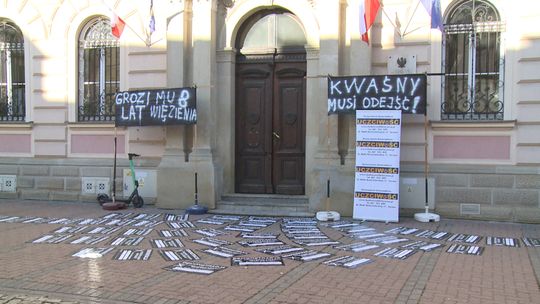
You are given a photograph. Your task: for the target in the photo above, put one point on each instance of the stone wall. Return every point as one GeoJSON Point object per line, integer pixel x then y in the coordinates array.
{"type": "Point", "coordinates": [507, 193]}
{"type": "Point", "coordinates": [61, 179]}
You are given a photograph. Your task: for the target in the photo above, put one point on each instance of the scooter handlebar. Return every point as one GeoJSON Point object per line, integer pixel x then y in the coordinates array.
{"type": "Point", "coordinates": [132, 155]}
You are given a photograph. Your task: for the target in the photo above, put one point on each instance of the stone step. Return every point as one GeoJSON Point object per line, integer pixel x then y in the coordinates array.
{"type": "Point", "coordinates": [263, 205]}
{"type": "Point", "coordinates": [265, 199]}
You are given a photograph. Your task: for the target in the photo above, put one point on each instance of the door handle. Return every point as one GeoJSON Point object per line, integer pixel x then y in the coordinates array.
{"type": "Point", "coordinates": [275, 135]}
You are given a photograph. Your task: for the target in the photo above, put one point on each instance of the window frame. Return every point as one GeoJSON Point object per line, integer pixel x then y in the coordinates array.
{"type": "Point", "coordinates": [494, 108]}
{"type": "Point", "coordinates": [101, 40]}
{"type": "Point", "coordinates": [6, 78]}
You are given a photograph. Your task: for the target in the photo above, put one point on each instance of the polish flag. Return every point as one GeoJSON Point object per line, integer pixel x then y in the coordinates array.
{"type": "Point", "coordinates": [117, 25]}
{"type": "Point", "coordinates": [368, 12]}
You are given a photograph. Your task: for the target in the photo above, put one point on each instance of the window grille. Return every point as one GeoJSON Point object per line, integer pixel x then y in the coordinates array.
{"type": "Point", "coordinates": [473, 63]}
{"type": "Point", "coordinates": [12, 82]}
{"type": "Point", "coordinates": [99, 65]}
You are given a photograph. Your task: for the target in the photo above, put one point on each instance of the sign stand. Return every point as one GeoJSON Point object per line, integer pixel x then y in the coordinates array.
{"type": "Point", "coordinates": [114, 169]}
{"type": "Point", "coordinates": [196, 208]}
{"type": "Point", "coordinates": [426, 216]}
{"type": "Point", "coordinates": [328, 215]}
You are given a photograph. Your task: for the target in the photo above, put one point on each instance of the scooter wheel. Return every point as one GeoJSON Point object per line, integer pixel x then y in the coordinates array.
{"type": "Point", "coordinates": [102, 198]}
{"type": "Point", "coordinates": [114, 206]}
{"type": "Point", "coordinates": [138, 201]}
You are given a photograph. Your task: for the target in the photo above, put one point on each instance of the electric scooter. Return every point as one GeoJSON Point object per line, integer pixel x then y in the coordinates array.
{"type": "Point", "coordinates": [114, 204]}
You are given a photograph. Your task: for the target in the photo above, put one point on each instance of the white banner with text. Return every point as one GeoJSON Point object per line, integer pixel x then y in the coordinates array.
{"type": "Point", "coordinates": [376, 185]}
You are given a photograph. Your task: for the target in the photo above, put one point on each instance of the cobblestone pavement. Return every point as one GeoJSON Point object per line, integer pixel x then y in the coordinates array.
{"type": "Point", "coordinates": [48, 273]}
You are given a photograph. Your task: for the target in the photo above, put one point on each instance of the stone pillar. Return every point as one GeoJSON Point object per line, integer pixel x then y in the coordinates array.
{"type": "Point", "coordinates": [325, 128]}
{"type": "Point", "coordinates": [204, 77]}
{"type": "Point", "coordinates": [174, 187]}
{"type": "Point", "coordinates": [225, 132]}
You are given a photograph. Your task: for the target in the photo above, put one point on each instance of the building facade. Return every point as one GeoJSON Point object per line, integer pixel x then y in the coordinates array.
{"type": "Point", "coordinates": [263, 133]}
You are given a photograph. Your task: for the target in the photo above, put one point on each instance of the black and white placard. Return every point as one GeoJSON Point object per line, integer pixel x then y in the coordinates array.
{"type": "Point", "coordinates": [138, 232]}
{"type": "Point", "coordinates": [404, 93]}
{"type": "Point", "coordinates": [9, 219]}
{"type": "Point", "coordinates": [181, 224]}
{"type": "Point", "coordinates": [211, 242]}
{"type": "Point", "coordinates": [147, 216]}
{"type": "Point", "coordinates": [170, 217]}
{"type": "Point", "coordinates": [167, 233]}
{"type": "Point", "coordinates": [387, 240]}
{"type": "Point", "coordinates": [465, 249]}
{"type": "Point", "coordinates": [127, 241]}
{"type": "Point", "coordinates": [502, 241]}
{"type": "Point", "coordinates": [357, 247]}
{"type": "Point", "coordinates": [92, 253]}
{"type": "Point", "coordinates": [226, 218]}
{"type": "Point", "coordinates": [341, 224]}
{"type": "Point", "coordinates": [166, 243]}
{"type": "Point", "coordinates": [210, 232]}
{"type": "Point", "coordinates": [211, 221]}
{"type": "Point", "coordinates": [376, 186]}
{"type": "Point", "coordinates": [436, 235]}
{"type": "Point", "coordinates": [70, 229]}
{"type": "Point", "coordinates": [89, 239]}
{"type": "Point", "coordinates": [347, 262]}
{"type": "Point", "coordinates": [250, 235]}
{"type": "Point", "coordinates": [103, 230]}
{"type": "Point", "coordinates": [193, 267]}
{"type": "Point", "coordinates": [223, 252]}
{"type": "Point", "coordinates": [176, 106]}
{"type": "Point", "coordinates": [396, 253]}
{"type": "Point", "coordinates": [257, 261]}
{"type": "Point", "coordinates": [316, 242]}
{"type": "Point", "coordinates": [364, 235]}
{"type": "Point", "coordinates": [35, 220]}
{"type": "Point", "coordinates": [402, 230]}
{"type": "Point", "coordinates": [306, 255]}
{"type": "Point", "coordinates": [61, 221]}
{"type": "Point", "coordinates": [146, 223]}
{"type": "Point", "coordinates": [263, 219]}
{"type": "Point", "coordinates": [240, 228]}
{"type": "Point", "coordinates": [56, 238]}
{"type": "Point", "coordinates": [279, 250]}
{"type": "Point", "coordinates": [260, 242]}
{"type": "Point", "coordinates": [422, 245]}
{"type": "Point", "coordinates": [465, 238]}
{"type": "Point", "coordinates": [255, 224]}
{"type": "Point", "coordinates": [531, 242]}
{"type": "Point", "coordinates": [179, 255]}
{"type": "Point", "coordinates": [133, 255]}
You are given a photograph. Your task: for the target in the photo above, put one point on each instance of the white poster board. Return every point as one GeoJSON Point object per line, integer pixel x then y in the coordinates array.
{"type": "Point", "coordinates": [376, 186]}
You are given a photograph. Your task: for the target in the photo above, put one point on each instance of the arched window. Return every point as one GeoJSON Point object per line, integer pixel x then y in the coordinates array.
{"type": "Point", "coordinates": [12, 83]}
{"type": "Point", "coordinates": [271, 29]}
{"type": "Point", "coordinates": [99, 65]}
{"type": "Point", "coordinates": [473, 63]}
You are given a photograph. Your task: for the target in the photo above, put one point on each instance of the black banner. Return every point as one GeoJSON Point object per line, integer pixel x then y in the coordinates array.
{"type": "Point", "coordinates": [156, 107]}
{"type": "Point", "coordinates": [387, 92]}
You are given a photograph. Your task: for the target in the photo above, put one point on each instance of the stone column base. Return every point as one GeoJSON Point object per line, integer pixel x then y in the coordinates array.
{"type": "Point", "coordinates": [176, 186]}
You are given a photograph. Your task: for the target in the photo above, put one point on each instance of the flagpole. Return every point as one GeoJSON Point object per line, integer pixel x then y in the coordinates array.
{"type": "Point", "coordinates": [127, 25]}
{"type": "Point", "coordinates": [410, 19]}
{"type": "Point", "coordinates": [391, 22]}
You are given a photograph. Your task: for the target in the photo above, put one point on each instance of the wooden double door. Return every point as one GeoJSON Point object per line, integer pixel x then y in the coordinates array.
{"type": "Point", "coordinates": [270, 126]}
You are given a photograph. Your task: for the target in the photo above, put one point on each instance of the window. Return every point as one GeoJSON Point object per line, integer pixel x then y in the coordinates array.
{"type": "Point", "coordinates": [12, 84]}
{"type": "Point", "coordinates": [473, 63]}
{"type": "Point", "coordinates": [98, 72]}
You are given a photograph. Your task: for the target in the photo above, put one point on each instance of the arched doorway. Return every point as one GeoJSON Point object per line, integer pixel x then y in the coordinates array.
{"type": "Point", "coordinates": [270, 105]}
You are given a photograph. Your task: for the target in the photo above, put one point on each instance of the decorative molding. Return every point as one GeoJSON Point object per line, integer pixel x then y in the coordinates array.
{"type": "Point", "coordinates": [504, 124]}
{"type": "Point", "coordinates": [228, 3]}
